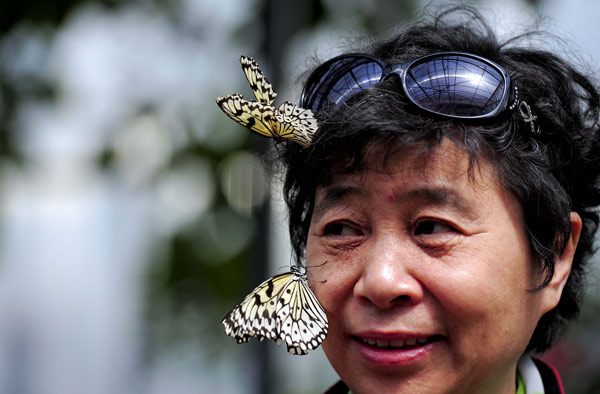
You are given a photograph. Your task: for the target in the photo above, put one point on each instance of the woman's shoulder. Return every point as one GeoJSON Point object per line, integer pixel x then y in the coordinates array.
{"type": "Point", "coordinates": [338, 388]}
{"type": "Point", "coordinates": [550, 377]}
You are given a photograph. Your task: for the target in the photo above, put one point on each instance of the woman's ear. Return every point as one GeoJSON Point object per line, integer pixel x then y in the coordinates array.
{"type": "Point", "coordinates": [562, 266]}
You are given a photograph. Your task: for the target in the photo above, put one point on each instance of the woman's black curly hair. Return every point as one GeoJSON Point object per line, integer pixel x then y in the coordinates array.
{"type": "Point", "coordinates": [550, 174]}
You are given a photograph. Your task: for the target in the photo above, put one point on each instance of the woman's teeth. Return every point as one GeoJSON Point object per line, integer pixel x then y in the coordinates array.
{"type": "Point", "coordinates": [396, 343]}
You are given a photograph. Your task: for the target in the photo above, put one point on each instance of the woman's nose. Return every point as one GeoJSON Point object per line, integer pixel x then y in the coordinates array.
{"type": "Point", "coordinates": [389, 275]}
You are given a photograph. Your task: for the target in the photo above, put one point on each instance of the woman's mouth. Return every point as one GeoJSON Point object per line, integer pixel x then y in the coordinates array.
{"type": "Point", "coordinates": [395, 351]}
{"type": "Point", "coordinates": [395, 343]}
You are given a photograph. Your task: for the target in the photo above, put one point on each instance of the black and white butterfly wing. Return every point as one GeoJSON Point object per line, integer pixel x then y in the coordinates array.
{"type": "Point", "coordinates": [256, 116]}
{"type": "Point", "coordinates": [256, 315]}
{"type": "Point", "coordinates": [296, 123]}
{"type": "Point", "coordinates": [262, 88]}
{"type": "Point", "coordinates": [286, 122]}
{"type": "Point", "coordinates": [282, 308]}
{"type": "Point", "coordinates": [302, 322]}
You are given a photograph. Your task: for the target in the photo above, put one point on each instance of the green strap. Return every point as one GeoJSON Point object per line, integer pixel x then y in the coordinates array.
{"type": "Point", "coordinates": [520, 384]}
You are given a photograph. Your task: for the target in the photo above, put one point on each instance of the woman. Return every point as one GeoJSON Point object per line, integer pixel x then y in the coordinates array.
{"type": "Point", "coordinates": [452, 200]}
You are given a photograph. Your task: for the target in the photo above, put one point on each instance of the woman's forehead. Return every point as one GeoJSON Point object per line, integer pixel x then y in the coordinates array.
{"type": "Point", "coordinates": [444, 160]}
{"type": "Point", "coordinates": [445, 167]}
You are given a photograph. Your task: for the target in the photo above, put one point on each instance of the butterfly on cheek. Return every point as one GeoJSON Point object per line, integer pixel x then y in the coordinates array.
{"type": "Point", "coordinates": [287, 122]}
{"type": "Point", "coordinates": [283, 309]}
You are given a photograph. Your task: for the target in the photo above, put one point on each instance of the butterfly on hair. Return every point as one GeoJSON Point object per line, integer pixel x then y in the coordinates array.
{"type": "Point", "coordinates": [288, 121]}
{"type": "Point", "coordinates": [283, 309]}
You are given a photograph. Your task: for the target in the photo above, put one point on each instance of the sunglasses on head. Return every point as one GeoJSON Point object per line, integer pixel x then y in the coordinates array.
{"type": "Point", "coordinates": [452, 84]}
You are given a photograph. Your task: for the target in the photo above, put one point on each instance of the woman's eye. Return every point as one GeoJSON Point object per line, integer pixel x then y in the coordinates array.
{"type": "Point", "coordinates": [428, 227]}
{"type": "Point", "coordinates": [341, 229]}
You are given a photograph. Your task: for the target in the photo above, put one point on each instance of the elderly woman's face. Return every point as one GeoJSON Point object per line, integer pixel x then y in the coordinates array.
{"type": "Point", "coordinates": [426, 277]}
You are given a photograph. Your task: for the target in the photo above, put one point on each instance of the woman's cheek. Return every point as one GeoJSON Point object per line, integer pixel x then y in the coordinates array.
{"type": "Point", "coordinates": [333, 283]}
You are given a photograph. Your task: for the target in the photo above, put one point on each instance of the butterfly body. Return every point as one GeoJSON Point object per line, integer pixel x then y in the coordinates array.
{"type": "Point", "coordinates": [283, 309]}
{"type": "Point", "coordinates": [285, 122]}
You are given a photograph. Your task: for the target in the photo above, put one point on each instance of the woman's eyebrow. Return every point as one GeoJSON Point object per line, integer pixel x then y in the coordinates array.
{"type": "Point", "coordinates": [440, 196]}
{"type": "Point", "coordinates": [333, 195]}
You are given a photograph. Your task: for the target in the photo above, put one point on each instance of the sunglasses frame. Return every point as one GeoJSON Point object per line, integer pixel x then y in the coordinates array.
{"type": "Point", "coordinates": [314, 81]}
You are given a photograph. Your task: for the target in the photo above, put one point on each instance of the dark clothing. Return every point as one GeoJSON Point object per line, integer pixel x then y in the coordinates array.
{"type": "Point", "coordinates": [550, 377]}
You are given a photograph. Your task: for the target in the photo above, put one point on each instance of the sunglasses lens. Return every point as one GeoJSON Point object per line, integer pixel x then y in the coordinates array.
{"type": "Point", "coordinates": [456, 85]}
{"type": "Point", "coordinates": [336, 81]}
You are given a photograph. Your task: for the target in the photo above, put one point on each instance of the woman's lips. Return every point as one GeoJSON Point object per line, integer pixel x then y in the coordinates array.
{"type": "Point", "coordinates": [395, 349]}
{"type": "Point", "coordinates": [396, 343]}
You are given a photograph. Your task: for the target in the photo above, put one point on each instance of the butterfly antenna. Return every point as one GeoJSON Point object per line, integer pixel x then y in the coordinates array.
{"type": "Point", "coordinates": [315, 266]}
{"type": "Point", "coordinates": [318, 265]}
{"type": "Point", "coordinates": [314, 280]}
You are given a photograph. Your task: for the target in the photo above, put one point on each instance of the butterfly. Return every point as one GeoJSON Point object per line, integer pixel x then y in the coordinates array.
{"type": "Point", "coordinates": [288, 121]}
{"type": "Point", "coordinates": [283, 309]}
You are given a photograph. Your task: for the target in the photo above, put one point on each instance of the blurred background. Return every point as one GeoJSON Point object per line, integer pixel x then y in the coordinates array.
{"type": "Point", "coordinates": [134, 214]}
